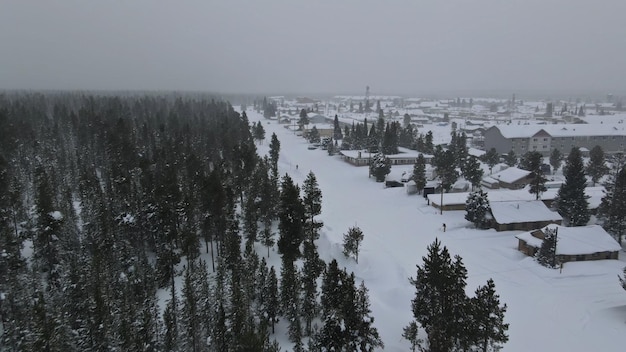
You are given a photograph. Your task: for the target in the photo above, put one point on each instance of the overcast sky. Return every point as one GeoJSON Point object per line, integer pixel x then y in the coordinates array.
{"type": "Point", "coordinates": [315, 46]}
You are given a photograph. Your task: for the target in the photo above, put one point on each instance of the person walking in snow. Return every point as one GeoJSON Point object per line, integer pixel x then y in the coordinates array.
{"type": "Point", "coordinates": [444, 227]}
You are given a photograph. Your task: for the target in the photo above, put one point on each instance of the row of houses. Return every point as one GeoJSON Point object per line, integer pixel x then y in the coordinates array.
{"type": "Point", "coordinates": [535, 217]}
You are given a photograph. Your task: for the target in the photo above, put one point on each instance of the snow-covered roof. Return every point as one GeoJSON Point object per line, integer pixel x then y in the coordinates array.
{"type": "Point", "coordinates": [522, 211]}
{"type": "Point", "coordinates": [503, 195]}
{"type": "Point", "coordinates": [576, 240]}
{"type": "Point", "coordinates": [476, 152]}
{"type": "Point", "coordinates": [403, 153]}
{"type": "Point", "coordinates": [562, 130]}
{"type": "Point", "coordinates": [510, 175]}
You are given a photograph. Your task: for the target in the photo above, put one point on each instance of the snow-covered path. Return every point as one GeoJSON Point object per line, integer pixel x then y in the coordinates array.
{"type": "Point", "coordinates": [581, 309]}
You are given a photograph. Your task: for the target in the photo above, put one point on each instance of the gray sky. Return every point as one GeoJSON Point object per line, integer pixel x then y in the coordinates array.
{"type": "Point", "coordinates": [321, 46]}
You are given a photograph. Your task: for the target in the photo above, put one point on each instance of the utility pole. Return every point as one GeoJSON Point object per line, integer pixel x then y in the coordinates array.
{"type": "Point", "coordinates": [556, 238]}
{"type": "Point", "coordinates": [441, 203]}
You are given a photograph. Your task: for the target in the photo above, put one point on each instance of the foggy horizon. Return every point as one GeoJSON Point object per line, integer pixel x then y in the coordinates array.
{"type": "Point", "coordinates": [552, 48]}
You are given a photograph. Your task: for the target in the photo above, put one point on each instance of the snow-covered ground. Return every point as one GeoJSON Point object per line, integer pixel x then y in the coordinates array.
{"type": "Point", "coordinates": [583, 308]}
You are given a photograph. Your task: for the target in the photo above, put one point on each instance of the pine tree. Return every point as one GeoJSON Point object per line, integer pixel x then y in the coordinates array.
{"type": "Point", "coordinates": [556, 158]}
{"type": "Point", "coordinates": [311, 270]}
{"type": "Point", "coordinates": [171, 337]}
{"type": "Point", "coordinates": [367, 337]}
{"type": "Point", "coordinates": [312, 202]}
{"type": "Point", "coordinates": [489, 328]}
{"type": "Point", "coordinates": [531, 161]}
{"type": "Point", "coordinates": [472, 171]}
{"type": "Point", "coordinates": [267, 239]}
{"type": "Point", "coordinates": [191, 337]}
{"type": "Point", "coordinates": [571, 199]}
{"type": "Point", "coordinates": [440, 301]}
{"type": "Point", "coordinates": [428, 143]}
{"type": "Point", "coordinates": [419, 173]}
{"type": "Point", "coordinates": [351, 242]}
{"type": "Point", "coordinates": [271, 307]}
{"type": "Point", "coordinates": [445, 166]}
{"type": "Point", "coordinates": [48, 228]}
{"type": "Point", "coordinates": [622, 279]}
{"type": "Point", "coordinates": [304, 119]}
{"type": "Point", "coordinates": [611, 210]}
{"type": "Point", "coordinates": [380, 167]}
{"type": "Point", "coordinates": [314, 135]}
{"type": "Point", "coordinates": [546, 255]}
{"type": "Point", "coordinates": [291, 220]}
{"type": "Point", "coordinates": [510, 159]}
{"type": "Point", "coordinates": [491, 158]}
{"type": "Point", "coordinates": [274, 153]}
{"type": "Point", "coordinates": [478, 210]}
{"type": "Point", "coordinates": [290, 284]}
{"type": "Point", "coordinates": [337, 135]}
{"type": "Point", "coordinates": [597, 167]}
{"type": "Point", "coordinates": [410, 333]}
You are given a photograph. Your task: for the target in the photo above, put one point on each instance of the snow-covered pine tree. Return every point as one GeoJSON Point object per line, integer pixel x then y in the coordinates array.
{"type": "Point", "coordinates": [510, 159]}
{"type": "Point", "coordinates": [596, 168]}
{"type": "Point", "coordinates": [488, 329]}
{"type": "Point", "coordinates": [290, 299]}
{"type": "Point", "coordinates": [337, 134]}
{"type": "Point", "coordinates": [367, 335]}
{"type": "Point", "coordinates": [271, 298]}
{"type": "Point", "coordinates": [410, 333]}
{"type": "Point", "coordinates": [622, 279]}
{"type": "Point", "coordinates": [439, 303]}
{"type": "Point", "coordinates": [556, 158]}
{"type": "Point", "coordinates": [274, 154]}
{"type": "Point", "coordinates": [380, 166]}
{"type": "Point", "coordinates": [352, 241]}
{"type": "Point", "coordinates": [311, 270]}
{"type": "Point", "coordinates": [478, 210]}
{"type": "Point", "coordinates": [546, 255]}
{"type": "Point", "coordinates": [171, 338]}
{"type": "Point", "coordinates": [472, 171]}
{"type": "Point", "coordinates": [491, 158]}
{"type": "Point", "coordinates": [312, 201]}
{"type": "Point", "coordinates": [571, 200]}
{"type": "Point", "coordinates": [531, 161]}
{"type": "Point", "coordinates": [419, 173]}
{"type": "Point", "coordinates": [445, 166]}
{"type": "Point", "coordinates": [291, 220]}
{"type": "Point", "coordinates": [611, 210]}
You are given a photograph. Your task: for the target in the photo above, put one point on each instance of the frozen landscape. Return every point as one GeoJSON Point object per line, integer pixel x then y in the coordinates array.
{"type": "Point", "coordinates": [582, 308]}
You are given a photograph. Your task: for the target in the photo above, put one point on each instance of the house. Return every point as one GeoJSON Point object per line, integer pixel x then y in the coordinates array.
{"type": "Point", "coordinates": [573, 243]}
{"type": "Point", "coordinates": [456, 201]}
{"type": "Point", "coordinates": [315, 118]}
{"type": "Point", "coordinates": [363, 157]}
{"type": "Point", "coordinates": [544, 138]}
{"type": "Point", "coordinates": [511, 178]}
{"type": "Point", "coordinates": [522, 215]}
{"type": "Point", "coordinates": [325, 130]}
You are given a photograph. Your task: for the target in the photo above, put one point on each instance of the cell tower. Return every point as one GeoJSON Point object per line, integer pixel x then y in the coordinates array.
{"type": "Point", "coordinates": [367, 99]}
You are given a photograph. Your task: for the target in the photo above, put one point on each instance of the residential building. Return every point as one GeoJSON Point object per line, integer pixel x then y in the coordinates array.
{"type": "Point", "coordinates": [545, 138]}
{"type": "Point", "coordinates": [579, 243]}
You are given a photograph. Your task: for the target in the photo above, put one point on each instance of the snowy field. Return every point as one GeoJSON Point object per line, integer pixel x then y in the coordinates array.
{"type": "Point", "coordinates": [581, 309]}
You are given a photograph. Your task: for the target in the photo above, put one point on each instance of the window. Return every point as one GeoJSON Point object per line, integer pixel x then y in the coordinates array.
{"type": "Point", "coordinates": [534, 139]}
{"type": "Point", "coordinates": [534, 147]}
{"type": "Point", "coordinates": [545, 139]}
{"type": "Point", "coordinates": [545, 147]}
